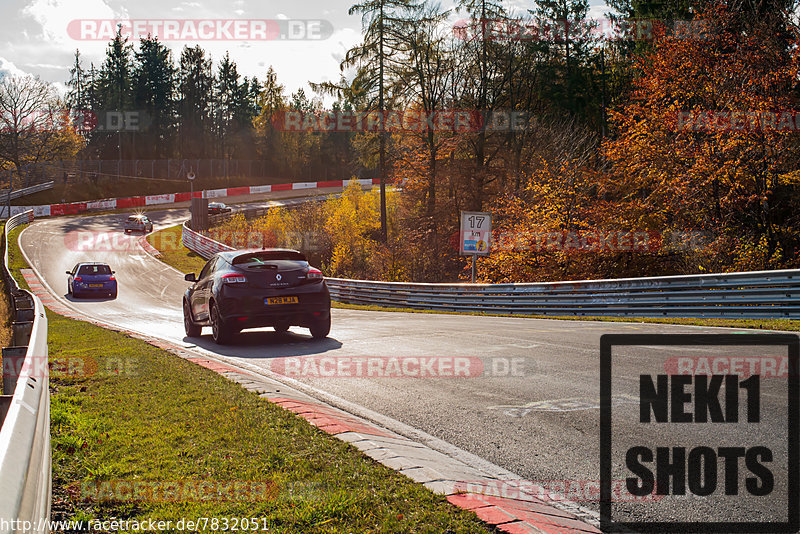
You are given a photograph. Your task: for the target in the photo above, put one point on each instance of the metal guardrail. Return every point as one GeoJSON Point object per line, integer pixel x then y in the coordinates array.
{"type": "Point", "coordinates": [19, 193]}
{"type": "Point", "coordinates": [750, 295]}
{"type": "Point", "coordinates": [25, 460]}
{"type": "Point", "coordinates": [207, 247]}
{"type": "Point", "coordinates": [202, 245]}
{"type": "Point", "coordinates": [755, 295]}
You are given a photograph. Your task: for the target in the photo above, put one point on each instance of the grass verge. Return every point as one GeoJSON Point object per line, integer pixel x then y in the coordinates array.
{"type": "Point", "coordinates": [168, 242]}
{"type": "Point", "coordinates": [132, 415]}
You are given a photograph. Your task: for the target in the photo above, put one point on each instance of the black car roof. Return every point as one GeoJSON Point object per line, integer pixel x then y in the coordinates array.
{"type": "Point", "coordinates": [229, 255]}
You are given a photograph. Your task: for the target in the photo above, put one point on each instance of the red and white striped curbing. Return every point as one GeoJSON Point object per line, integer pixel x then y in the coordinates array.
{"type": "Point", "coordinates": [74, 208]}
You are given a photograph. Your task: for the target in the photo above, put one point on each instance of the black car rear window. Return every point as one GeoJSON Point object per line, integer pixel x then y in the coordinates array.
{"type": "Point", "coordinates": [94, 269]}
{"type": "Point", "coordinates": [264, 256]}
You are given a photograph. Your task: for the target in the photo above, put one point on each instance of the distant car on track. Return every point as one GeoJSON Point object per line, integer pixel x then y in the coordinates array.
{"type": "Point", "coordinates": [256, 288]}
{"type": "Point", "coordinates": [92, 278]}
{"type": "Point", "coordinates": [216, 208]}
{"type": "Point", "coordinates": [138, 223]}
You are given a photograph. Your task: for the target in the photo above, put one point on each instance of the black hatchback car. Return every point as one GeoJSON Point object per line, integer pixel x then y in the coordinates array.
{"type": "Point", "coordinates": [217, 208]}
{"type": "Point", "coordinates": [256, 288]}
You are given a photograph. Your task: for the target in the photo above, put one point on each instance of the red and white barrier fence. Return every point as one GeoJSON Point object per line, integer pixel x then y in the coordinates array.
{"type": "Point", "coordinates": [170, 198]}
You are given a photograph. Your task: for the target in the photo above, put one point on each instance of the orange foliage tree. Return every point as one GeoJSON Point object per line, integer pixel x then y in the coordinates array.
{"type": "Point", "coordinates": [706, 143]}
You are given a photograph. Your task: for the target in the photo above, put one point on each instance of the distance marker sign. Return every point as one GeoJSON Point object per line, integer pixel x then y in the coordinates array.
{"type": "Point", "coordinates": [476, 233]}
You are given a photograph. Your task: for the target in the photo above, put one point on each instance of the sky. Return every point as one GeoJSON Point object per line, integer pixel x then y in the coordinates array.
{"type": "Point", "coordinates": [40, 37]}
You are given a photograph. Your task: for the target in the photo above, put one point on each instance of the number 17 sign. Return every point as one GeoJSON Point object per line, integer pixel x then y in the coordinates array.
{"type": "Point", "coordinates": [476, 233]}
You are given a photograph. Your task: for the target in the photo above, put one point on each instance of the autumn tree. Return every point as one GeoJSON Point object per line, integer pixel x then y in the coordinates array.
{"type": "Point", "coordinates": [701, 145]}
{"type": "Point", "coordinates": [35, 125]}
{"type": "Point", "coordinates": [384, 23]}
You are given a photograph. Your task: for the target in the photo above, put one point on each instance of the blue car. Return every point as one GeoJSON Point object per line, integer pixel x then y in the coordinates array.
{"type": "Point", "coordinates": [91, 279]}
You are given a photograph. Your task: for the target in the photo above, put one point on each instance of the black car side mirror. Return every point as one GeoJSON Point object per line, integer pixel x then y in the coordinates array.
{"type": "Point", "coordinates": [190, 277]}
{"type": "Point", "coordinates": [69, 273]}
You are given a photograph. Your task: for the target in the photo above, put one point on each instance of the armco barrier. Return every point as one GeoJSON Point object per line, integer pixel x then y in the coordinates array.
{"type": "Point", "coordinates": [201, 244]}
{"type": "Point", "coordinates": [169, 198]}
{"type": "Point", "coordinates": [752, 295]}
{"type": "Point", "coordinates": [25, 461]}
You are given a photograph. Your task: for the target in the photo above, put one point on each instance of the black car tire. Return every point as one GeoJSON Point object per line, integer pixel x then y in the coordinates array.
{"type": "Point", "coordinates": [192, 330]}
{"type": "Point", "coordinates": [321, 328]}
{"type": "Point", "coordinates": [220, 331]}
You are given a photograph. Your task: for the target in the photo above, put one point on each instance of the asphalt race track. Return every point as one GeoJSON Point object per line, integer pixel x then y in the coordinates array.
{"type": "Point", "coordinates": [529, 405]}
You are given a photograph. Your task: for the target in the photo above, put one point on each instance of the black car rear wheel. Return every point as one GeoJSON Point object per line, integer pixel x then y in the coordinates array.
{"type": "Point", "coordinates": [321, 328]}
{"type": "Point", "coordinates": [192, 330]}
{"type": "Point", "coordinates": [220, 332]}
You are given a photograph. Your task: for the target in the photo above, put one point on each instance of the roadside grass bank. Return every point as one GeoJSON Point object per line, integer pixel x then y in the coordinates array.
{"type": "Point", "coordinates": [168, 242]}
{"type": "Point", "coordinates": [173, 253]}
{"type": "Point", "coordinates": [139, 433]}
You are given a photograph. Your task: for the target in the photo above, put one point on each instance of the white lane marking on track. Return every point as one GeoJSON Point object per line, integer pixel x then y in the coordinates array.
{"type": "Point", "coordinates": [562, 405]}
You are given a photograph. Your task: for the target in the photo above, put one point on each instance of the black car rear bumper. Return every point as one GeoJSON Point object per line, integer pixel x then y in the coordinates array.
{"type": "Point", "coordinates": [248, 309]}
{"type": "Point", "coordinates": [298, 318]}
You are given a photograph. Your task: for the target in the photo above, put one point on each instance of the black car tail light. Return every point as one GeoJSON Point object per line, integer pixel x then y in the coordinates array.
{"type": "Point", "coordinates": [234, 278]}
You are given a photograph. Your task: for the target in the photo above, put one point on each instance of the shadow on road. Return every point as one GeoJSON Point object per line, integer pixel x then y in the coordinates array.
{"type": "Point", "coordinates": [88, 299]}
{"type": "Point", "coordinates": [267, 344]}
